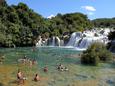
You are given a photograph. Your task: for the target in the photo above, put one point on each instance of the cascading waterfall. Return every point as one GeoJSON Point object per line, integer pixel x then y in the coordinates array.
{"type": "Point", "coordinates": [53, 41]}
{"type": "Point", "coordinates": [57, 41]}
{"type": "Point", "coordinates": [86, 41]}
{"type": "Point", "coordinates": [75, 37]}
{"type": "Point", "coordinates": [39, 43]}
{"type": "Point", "coordinates": [79, 40]}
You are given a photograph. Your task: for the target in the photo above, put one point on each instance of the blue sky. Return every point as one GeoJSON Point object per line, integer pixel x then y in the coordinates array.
{"type": "Point", "coordinates": [93, 8]}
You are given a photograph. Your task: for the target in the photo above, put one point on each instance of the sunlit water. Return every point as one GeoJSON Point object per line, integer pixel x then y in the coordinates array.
{"type": "Point", "coordinates": [102, 75]}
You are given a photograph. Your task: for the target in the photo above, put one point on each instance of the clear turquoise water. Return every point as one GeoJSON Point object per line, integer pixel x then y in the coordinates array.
{"type": "Point", "coordinates": [44, 55]}
{"type": "Point", "coordinates": [52, 56]}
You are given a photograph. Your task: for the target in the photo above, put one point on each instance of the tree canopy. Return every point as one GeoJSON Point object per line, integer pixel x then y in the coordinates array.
{"type": "Point", "coordinates": [104, 22]}
{"type": "Point", "coordinates": [20, 25]}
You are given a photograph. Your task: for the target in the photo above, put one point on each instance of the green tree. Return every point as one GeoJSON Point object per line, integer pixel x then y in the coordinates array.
{"type": "Point", "coordinates": [96, 53]}
{"type": "Point", "coordinates": [20, 25]}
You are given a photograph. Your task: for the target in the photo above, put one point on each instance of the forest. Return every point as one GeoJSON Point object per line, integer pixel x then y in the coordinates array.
{"type": "Point", "coordinates": [20, 26]}
{"type": "Point", "coordinates": [104, 22]}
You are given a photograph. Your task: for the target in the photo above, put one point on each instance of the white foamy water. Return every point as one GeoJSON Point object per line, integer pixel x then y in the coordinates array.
{"type": "Point", "coordinates": [81, 40]}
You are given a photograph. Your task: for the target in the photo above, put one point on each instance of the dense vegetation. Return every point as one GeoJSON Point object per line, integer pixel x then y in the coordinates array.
{"type": "Point", "coordinates": [21, 26]}
{"type": "Point", "coordinates": [104, 22]}
{"type": "Point", "coordinates": [111, 37]}
{"type": "Point", "coordinates": [18, 24]}
{"type": "Point", "coordinates": [70, 23]}
{"type": "Point", "coordinates": [96, 53]}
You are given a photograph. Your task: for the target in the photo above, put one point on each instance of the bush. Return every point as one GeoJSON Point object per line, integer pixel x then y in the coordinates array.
{"type": "Point", "coordinates": [90, 58]}
{"type": "Point", "coordinates": [96, 53]}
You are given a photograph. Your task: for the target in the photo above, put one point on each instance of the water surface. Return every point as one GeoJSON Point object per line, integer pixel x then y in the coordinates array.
{"type": "Point", "coordinates": [78, 75]}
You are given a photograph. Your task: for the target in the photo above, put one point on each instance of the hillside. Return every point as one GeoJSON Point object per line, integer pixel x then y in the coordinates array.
{"type": "Point", "coordinates": [21, 26]}
{"type": "Point", "coordinates": [104, 22]}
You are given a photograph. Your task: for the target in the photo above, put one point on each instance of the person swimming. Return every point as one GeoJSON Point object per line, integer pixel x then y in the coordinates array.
{"type": "Point", "coordinates": [45, 69]}
{"type": "Point", "coordinates": [62, 68]}
{"type": "Point", "coordinates": [34, 62]}
{"type": "Point", "coordinates": [21, 77]}
{"type": "Point", "coordinates": [36, 78]}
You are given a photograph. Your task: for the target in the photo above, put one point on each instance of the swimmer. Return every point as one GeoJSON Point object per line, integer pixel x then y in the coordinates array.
{"type": "Point", "coordinates": [21, 77]}
{"type": "Point", "coordinates": [36, 78]}
{"type": "Point", "coordinates": [45, 69]}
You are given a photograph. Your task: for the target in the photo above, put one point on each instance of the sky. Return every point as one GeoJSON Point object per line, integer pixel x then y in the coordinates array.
{"type": "Point", "coordinates": [49, 8]}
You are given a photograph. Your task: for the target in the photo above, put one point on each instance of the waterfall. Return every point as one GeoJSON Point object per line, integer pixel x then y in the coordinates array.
{"type": "Point", "coordinates": [39, 43]}
{"type": "Point", "coordinates": [58, 41]}
{"type": "Point", "coordinates": [75, 37]}
{"type": "Point", "coordinates": [53, 41]}
{"type": "Point", "coordinates": [78, 40]}
{"type": "Point", "coordinates": [86, 41]}
{"type": "Point", "coordinates": [81, 41]}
